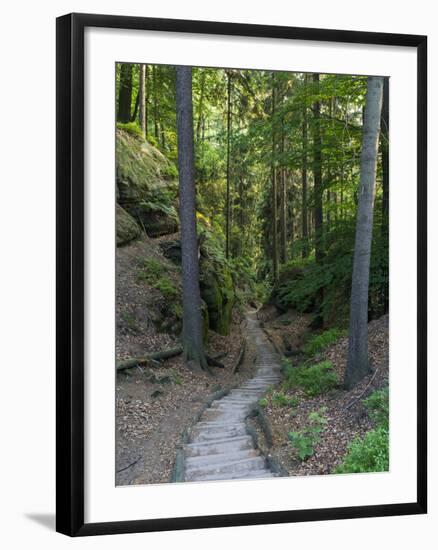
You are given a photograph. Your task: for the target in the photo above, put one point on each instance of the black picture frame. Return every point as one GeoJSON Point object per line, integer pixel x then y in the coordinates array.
{"type": "Point", "coordinates": [70, 273]}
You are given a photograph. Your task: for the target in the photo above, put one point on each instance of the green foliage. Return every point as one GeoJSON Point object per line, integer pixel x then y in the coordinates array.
{"type": "Point", "coordinates": [304, 440]}
{"type": "Point", "coordinates": [279, 399]}
{"type": "Point", "coordinates": [263, 402]}
{"type": "Point", "coordinates": [152, 273]}
{"type": "Point", "coordinates": [318, 342]}
{"type": "Point", "coordinates": [132, 128]}
{"type": "Point", "coordinates": [313, 380]}
{"type": "Point", "coordinates": [378, 407]}
{"type": "Point", "coordinates": [371, 453]}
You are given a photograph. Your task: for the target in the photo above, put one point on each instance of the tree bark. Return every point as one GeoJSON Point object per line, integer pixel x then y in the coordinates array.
{"type": "Point", "coordinates": [357, 360]}
{"type": "Point", "coordinates": [274, 188]}
{"type": "Point", "coordinates": [304, 229]}
{"type": "Point", "coordinates": [142, 99]}
{"type": "Point", "coordinates": [125, 93]}
{"type": "Point", "coordinates": [384, 147]}
{"type": "Point", "coordinates": [283, 202]}
{"type": "Point", "coordinates": [317, 175]}
{"type": "Point", "coordinates": [228, 193]}
{"type": "Point", "coordinates": [192, 316]}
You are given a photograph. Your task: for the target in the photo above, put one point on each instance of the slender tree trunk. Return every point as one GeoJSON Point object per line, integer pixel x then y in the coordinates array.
{"type": "Point", "coordinates": [141, 93]}
{"type": "Point", "coordinates": [274, 189]}
{"type": "Point", "coordinates": [384, 147]}
{"type": "Point", "coordinates": [305, 232]}
{"type": "Point", "coordinates": [134, 114]}
{"type": "Point", "coordinates": [155, 102]}
{"type": "Point", "coordinates": [192, 315]}
{"type": "Point", "coordinates": [283, 203]}
{"type": "Point", "coordinates": [228, 197]}
{"type": "Point", "coordinates": [146, 101]}
{"type": "Point", "coordinates": [357, 360]}
{"type": "Point", "coordinates": [125, 93]}
{"type": "Point", "coordinates": [317, 175]}
{"type": "Point", "coordinates": [201, 106]}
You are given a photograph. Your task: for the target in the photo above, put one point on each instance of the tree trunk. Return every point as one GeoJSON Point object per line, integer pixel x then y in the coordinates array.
{"type": "Point", "coordinates": [274, 189]}
{"type": "Point", "coordinates": [192, 316]}
{"type": "Point", "coordinates": [125, 93]}
{"type": "Point", "coordinates": [317, 175]}
{"type": "Point", "coordinates": [228, 197]}
{"type": "Point", "coordinates": [357, 360]}
{"type": "Point", "coordinates": [283, 202]}
{"type": "Point", "coordinates": [141, 93]}
{"type": "Point", "coordinates": [201, 106]}
{"type": "Point", "coordinates": [155, 101]}
{"type": "Point", "coordinates": [384, 147]}
{"type": "Point", "coordinates": [304, 229]}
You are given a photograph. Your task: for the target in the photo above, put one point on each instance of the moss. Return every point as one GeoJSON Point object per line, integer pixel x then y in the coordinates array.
{"type": "Point", "coordinates": [218, 293]}
{"type": "Point", "coordinates": [127, 227]}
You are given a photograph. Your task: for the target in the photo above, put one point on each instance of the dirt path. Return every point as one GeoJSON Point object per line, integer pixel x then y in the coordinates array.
{"type": "Point", "coordinates": [220, 447]}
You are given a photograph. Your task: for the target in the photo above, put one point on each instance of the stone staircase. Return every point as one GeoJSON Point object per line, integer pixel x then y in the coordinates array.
{"type": "Point", "coordinates": [220, 448]}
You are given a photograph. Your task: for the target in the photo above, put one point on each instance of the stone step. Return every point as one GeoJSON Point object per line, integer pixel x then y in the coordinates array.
{"type": "Point", "coordinates": [232, 467]}
{"type": "Point", "coordinates": [218, 446]}
{"type": "Point", "coordinates": [220, 433]}
{"type": "Point", "coordinates": [252, 474]}
{"type": "Point", "coordinates": [219, 459]}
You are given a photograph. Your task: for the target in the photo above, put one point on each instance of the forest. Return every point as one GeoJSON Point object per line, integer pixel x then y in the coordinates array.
{"type": "Point", "coordinates": [252, 273]}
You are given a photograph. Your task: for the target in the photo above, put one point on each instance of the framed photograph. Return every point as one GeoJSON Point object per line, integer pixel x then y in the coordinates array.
{"type": "Point", "coordinates": [241, 274]}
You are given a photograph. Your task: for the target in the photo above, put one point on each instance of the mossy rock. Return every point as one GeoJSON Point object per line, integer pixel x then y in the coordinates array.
{"type": "Point", "coordinates": [218, 293]}
{"type": "Point", "coordinates": [146, 184]}
{"type": "Point", "coordinates": [127, 227]}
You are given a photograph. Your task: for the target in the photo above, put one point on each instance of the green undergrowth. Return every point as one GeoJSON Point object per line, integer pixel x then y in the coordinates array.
{"type": "Point", "coordinates": [317, 343]}
{"type": "Point", "coordinates": [313, 380]}
{"type": "Point", "coordinates": [304, 440]}
{"type": "Point", "coordinates": [155, 274]}
{"type": "Point", "coordinates": [371, 453]}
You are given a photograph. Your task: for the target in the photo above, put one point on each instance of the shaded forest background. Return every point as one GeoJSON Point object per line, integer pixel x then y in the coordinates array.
{"type": "Point", "coordinates": [277, 166]}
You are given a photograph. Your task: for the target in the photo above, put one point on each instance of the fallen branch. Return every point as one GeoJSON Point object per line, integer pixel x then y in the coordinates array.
{"type": "Point", "coordinates": [364, 391]}
{"type": "Point", "coordinates": [148, 359]}
{"type": "Point", "coordinates": [129, 466]}
{"type": "Point", "coordinates": [239, 357]}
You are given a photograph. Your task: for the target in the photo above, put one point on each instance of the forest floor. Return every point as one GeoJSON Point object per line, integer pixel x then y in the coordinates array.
{"type": "Point", "coordinates": [345, 411]}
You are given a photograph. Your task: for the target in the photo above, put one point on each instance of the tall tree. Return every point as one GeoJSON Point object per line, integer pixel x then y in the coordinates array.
{"type": "Point", "coordinates": [283, 201]}
{"type": "Point", "coordinates": [274, 183]}
{"type": "Point", "coordinates": [384, 147]}
{"type": "Point", "coordinates": [142, 99]}
{"type": "Point", "coordinates": [317, 171]}
{"type": "Point", "coordinates": [304, 215]}
{"type": "Point", "coordinates": [357, 361]}
{"type": "Point", "coordinates": [228, 192]}
{"type": "Point", "coordinates": [125, 93]}
{"type": "Point", "coordinates": [192, 314]}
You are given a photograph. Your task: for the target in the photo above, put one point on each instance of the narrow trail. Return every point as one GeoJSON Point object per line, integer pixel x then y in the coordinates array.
{"type": "Point", "coordinates": [220, 447]}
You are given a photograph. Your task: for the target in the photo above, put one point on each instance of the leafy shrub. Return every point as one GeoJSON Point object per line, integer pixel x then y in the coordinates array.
{"type": "Point", "coordinates": [263, 402]}
{"type": "Point", "coordinates": [317, 343]}
{"type": "Point", "coordinates": [279, 399]}
{"type": "Point", "coordinates": [378, 406]}
{"type": "Point", "coordinates": [304, 441]}
{"type": "Point", "coordinates": [313, 380]}
{"type": "Point", "coordinates": [370, 454]}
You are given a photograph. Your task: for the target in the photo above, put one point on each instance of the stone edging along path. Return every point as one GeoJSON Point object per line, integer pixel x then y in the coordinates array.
{"type": "Point", "coordinates": [220, 447]}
